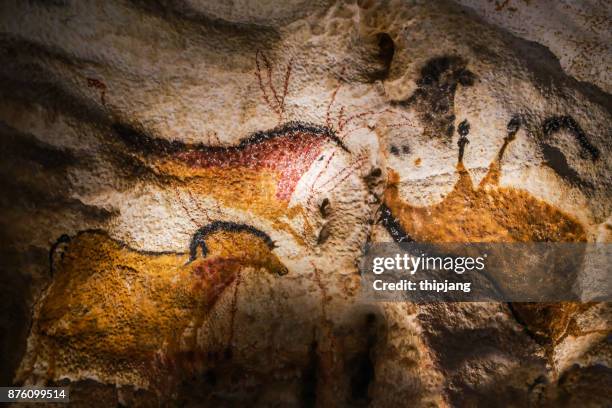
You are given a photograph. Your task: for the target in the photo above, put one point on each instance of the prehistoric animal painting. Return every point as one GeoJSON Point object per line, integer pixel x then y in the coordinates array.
{"type": "Point", "coordinates": [491, 213]}
{"type": "Point", "coordinates": [483, 213]}
{"type": "Point", "coordinates": [217, 170]}
{"type": "Point", "coordinates": [259, 174]}
{"type": "Point", "coordinates": [134, 315]}
{"type": "Point", "coordinates": [130, 314]}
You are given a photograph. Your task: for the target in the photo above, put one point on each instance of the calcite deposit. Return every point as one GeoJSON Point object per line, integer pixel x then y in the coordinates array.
{"type": "Point", "coordinates": [188, 188]}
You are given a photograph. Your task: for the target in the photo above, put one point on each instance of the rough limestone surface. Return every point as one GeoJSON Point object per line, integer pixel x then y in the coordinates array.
{"type": "Point", "coordinates": [577, 32]}
{"type": "Point", "coordinates": [187, 188]}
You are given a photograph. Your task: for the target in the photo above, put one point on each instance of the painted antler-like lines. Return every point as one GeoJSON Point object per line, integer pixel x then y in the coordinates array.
{"type": "Point", "coordinates": [342, 121]}
{"type": "Point", "coordinates": [337, 178]}
{"type": "Point", "coordinates": [292, 136]}
{"type": "Point", "coordinates": [331, 103]}
{"type": "Point", "coordinates": [337, 168]}
{"type": "Point", "coordinates": [399, 125]}
{"type": "Point", "coordinates": [340, 124]}
{"type": "Point", "coordinates": [274, 101]}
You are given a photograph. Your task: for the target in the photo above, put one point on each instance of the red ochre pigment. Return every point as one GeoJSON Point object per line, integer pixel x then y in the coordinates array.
{"type": "Point", "coordinates": [290, 156]}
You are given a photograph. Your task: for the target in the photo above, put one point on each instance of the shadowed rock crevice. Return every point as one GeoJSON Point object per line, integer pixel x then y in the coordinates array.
{"type": "Point", "coordinates": [393, 225]}
{"type": "Point", "coordinates": [361, 367]}
{"type": "Point", "coordinates": [308, 394]}
{"type": "Point", "coordinates": [376, 52]}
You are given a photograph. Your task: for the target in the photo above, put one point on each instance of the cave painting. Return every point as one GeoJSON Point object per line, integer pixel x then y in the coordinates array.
{"type": "Point", "coordinates": [259, 174]}
{"type": "Point", "coordinates": [130, 313]}
{"type": "Point", "coordinates": [487, 212]}
{"type": "Point", "coordinates": [434, 98]}
{"type": "Point", "coordinates": [126, 312]}
{"type": "Point", "coordinates": [491, 213]}
{"type": "Point", "coordinates": [483, 213]}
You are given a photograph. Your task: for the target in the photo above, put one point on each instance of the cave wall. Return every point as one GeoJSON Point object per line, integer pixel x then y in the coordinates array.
{"type": "Point", "coordinates": [188, 188]}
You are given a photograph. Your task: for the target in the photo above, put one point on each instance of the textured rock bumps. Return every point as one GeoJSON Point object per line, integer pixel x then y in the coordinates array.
{"type": "Point", "coordinates": [147, 123]}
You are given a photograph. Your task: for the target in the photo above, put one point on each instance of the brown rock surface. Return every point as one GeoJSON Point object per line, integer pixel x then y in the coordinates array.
{"type": "Point", "coordinates": [215, 171]}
